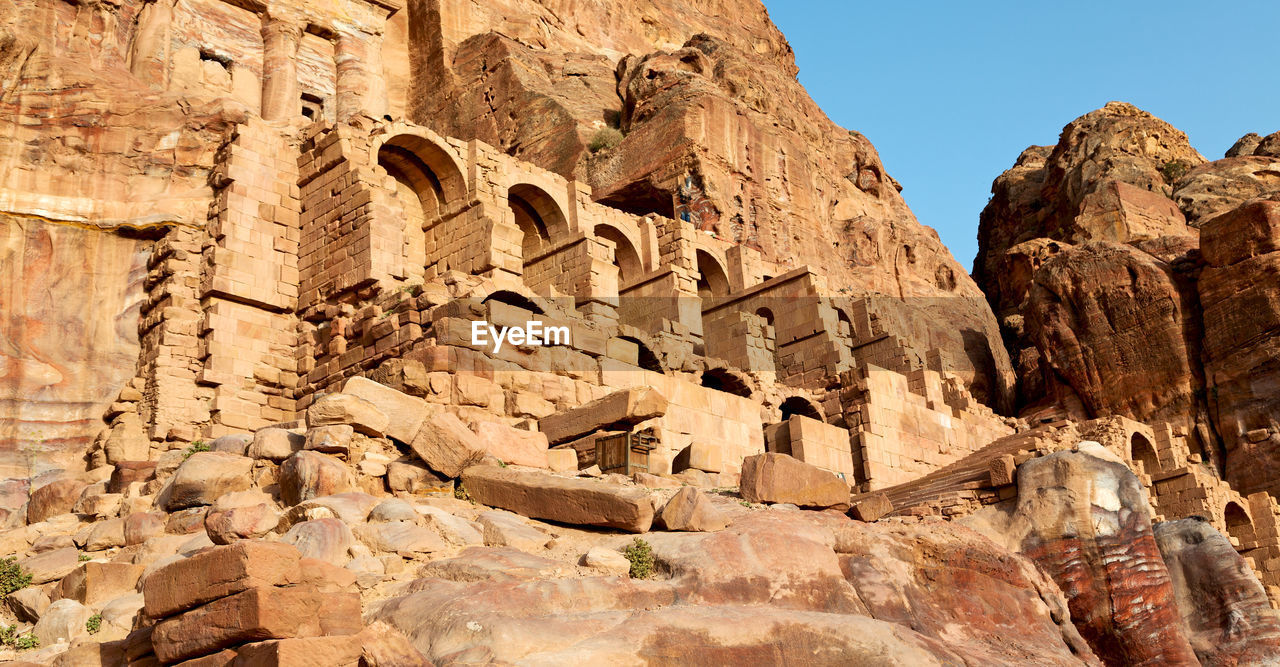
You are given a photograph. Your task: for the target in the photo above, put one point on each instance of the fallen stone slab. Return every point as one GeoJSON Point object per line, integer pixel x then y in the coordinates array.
{"type": "Point", "coordinates": [346, 409]}
{"type": "Point", "coordinates": [405, 413]}
{"type": "Point", "coordinates": [779, 478]}
{"type": "Point", "coordinates": [254, 615]}
{"type": "Point", "coordinates": [51, 565]}
{"type": "Point", "coordinates": [446, 444]}
{"type": "Point", "coordinates": [568, 500]}
{"type": "Point", "coordinates": [512, 445]}
{"type": "Point", "coordinates": [217, 573]}
{"type": "Point", "coordinates": [95, 584]}
{"type": "Point", "coordinates": [690, 510]}
{"type": "Point", "coordinates": [619, 409]}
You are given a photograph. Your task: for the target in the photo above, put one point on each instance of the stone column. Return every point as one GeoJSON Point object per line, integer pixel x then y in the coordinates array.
{"type": "Point", "coordinates": [280, 98]}
{"type": "Point", "coordinates": [360, 85]}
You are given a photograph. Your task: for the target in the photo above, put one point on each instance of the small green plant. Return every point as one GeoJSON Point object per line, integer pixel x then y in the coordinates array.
{"type": "Point", "coordinates": [94, 624]}
{"type": "Point", "coordinates": [603, 139]}
{"type": "Point", "coordinates": [460, 492]}
{"type": "Point", "coordinates": [1173, 170]}
{"type": "Point", "coordinates": [197, 446]}
{"type": "Point", "coordinates": [84, 558]}
{"type": "Point", "coordinates": [27, 641]}
{"type": "Point", "coordinates": [744, 503]}
{"type": "Point", "coordinates": [12, 577]}
{"type": "Point", "coordinates": [8, 633]}
{"type": "Point", "coordinates": [640, 555]}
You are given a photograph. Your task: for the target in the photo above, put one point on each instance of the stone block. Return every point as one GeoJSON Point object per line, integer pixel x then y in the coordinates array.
{"type": "Point", "coordinates": [544, 496]}
{"type": "Point", "coordinates": [872, 507]}
{"type": "Point", "coordinates": [619, 409]}
{"type": "Point", "coordinates": [253, 615]}
{"type": "Point", "coordinates": [562, 460]}
{"type": "Point", "coordinates": [1002, 470]}
{"type": "Point", "coordinates": [446, 444]}
{"type": "Point", "coordinates": [339, 651]}
{"type": "Point", "coordinates": [706, 456]}
{"type": "Point", "coordinates": [778, 478]}
{"type": "Point", "coordinates": [275, 444]}
{"type": "Point", "coordinates": [95, 584]}
{"type": "Point", "coordinates": [343, 408]}
{"type": "Point", "coordinates": [217, 573]}
{"type": "Point", "coordinates": [404, 413]}
{"type": "Point", "coordinates": [512, 445]}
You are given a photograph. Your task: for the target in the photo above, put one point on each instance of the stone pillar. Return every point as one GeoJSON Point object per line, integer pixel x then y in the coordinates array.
{"type": "Point", "coordinates": [280, 98]}
{"type": "Point", "coordinates": [360, 86]}
{"type": "Point", "coordinates": [149, 57]}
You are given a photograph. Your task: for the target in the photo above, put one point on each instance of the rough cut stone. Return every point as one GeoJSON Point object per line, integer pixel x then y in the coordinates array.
{"type": "Point", "coordinates": [27, 604]}
{"type": "Point", "coordinates": [385, 646]}
{"type": "Point", "coordinates": [51, 565]}
{"type": "Point", "coordinates": [607, 560]}
{"type": "Point", "coordinates": [95, 584]}
{"type": "Point", "coordinates": [105, 535]}
{"type": "Point", "coordinates": [778, 478]}
{"type": "Point", "coordinates": [307, 475]}
{"type": "Point", "coordinates": [413, 477]}
{"type": "Point", "coordinates": [446, 444]}
{"type": "Point", "coordinates": [205, 476]}
{"type": "Point", "coordinates": [256, 614]}
{"type": "Point", "coordinates": [619, 409]}
{"type": "Point", "coordinates": [128, 472]}
{"type": "Point", "coordinates": [276, 444]}
{"type": "Point", "coordinates": [328, 540]}
{"type": "Point", "coordinates": [506, 530]}
{"type": "Point", "coordinates": [871, 507]}
{"type": "Point", "coordinates": [562, 460]}
{"type": "Point", "coordinates": [690, 510]}
{"type": "Point", "coordinates": [56, 497]}
{"type": "Point", "coordinates": [219, 572]}
{"type": "Point", "coordinates": [404, 412]}
{"type": "Point", "coordinates": [512, 445]}
{"type": "Point", "coordinates": [334, 409]}
{"type": "Point", "coordinates": [340, 651]}
{"type": "Point", "coordinates": [544, 496]}
{"type": "Point", "coordinates": [333, 439]}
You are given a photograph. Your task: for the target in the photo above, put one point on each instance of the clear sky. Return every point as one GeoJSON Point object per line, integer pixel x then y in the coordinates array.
{"type": "Point", "coordinates": [950, 92]}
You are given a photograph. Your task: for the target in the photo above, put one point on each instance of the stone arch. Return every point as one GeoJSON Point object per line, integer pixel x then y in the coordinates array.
{"type": "Point", "coordinates": [625, 255]}
{"type": "Point", "coordinates": [722, 380]}
{"type": "Point", "coordinates": [713, 280]}
{"type": "Point", "coordinates": [799, 405]}
{"type": "Point", "coordinates": [1238, 523]}
{"type": "Point", "coordinates": [1141, 450]}
{"type": "Point", "coordinates": [844, 324]}
{"type": "Point", "coordinates": [538, 216]}
{"type": "Point", "coordinates": [766, 314]}
{"type": "Point", "coordinates": [428, 169]}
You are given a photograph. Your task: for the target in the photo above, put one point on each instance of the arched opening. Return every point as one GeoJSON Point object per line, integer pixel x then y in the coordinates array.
{"type": "Point", "coordinates": [1238, 524]}
{"type": "Point", "coordinates": [625, 256]}
{"type": "Point", "coordinates": [426, 181]}
{"type": "Point", "coordinates": [797, 405]}
{"type": "Point", "coordinates": [845, 324]}
{"type": "Point", "coordinates": [722, 380]}
{"type": "Point", "coordinates": [647, 359]}
{"type": "Point", "coordinates": [538, 217]}
{"type": "Point", "coordinates": [1141, 451]}
{"type": "Point", "coordinates": [766, 314]}
{"type": "Point", "coordinates": [515, 299]}
{"type": "Point", "coordinates": [712, 279]}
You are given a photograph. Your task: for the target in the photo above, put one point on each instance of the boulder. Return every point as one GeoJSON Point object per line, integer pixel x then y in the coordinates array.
{"type": "Point", "coordinates": [541, 495]}
{"type": "Point", "coordinates": [256, 614]}
{"type": "Point", "coordinates": [217, 573]}
{"type": "Point", "coordinates": [241, 515]}
{"type": "Point", "coordinates": [446, 444]}
{"type": "Point", "coordinates": [400, 537]}
{"type": "Point", "coordinates": [118, 617]}
{"type": "Point", "coordinates": [236, 444]}
{"type": "Point", "coordinates": [63, 621]}
{"type": "Point", "coordinates": [778, 478]}
{"type": "Point", "coordinates": [27, 604]}
{"type": "Point", "coordinates": [404, 413]}
{"type": "Point", "coordinates": [617, 410]}
{"type": "Point", "coordinates": [185, 522]}
{"type": "Point", "coordinates": [507, 530]}
{"type": "Point", "coordinates": [142, 526]}
{"type": "Point", "coordinates": [204, 477]}
{"type": "Point", "coordinates": [412, 477]}
{"type": "Point", "coordinates": [128, 472]}
{"type": "Point", "coordinates": [454, 529]}
{"type": "Point", "coordinates": [606, 560]}
{"type": "Point", "coordinates": [334, 439]}
{"type": "Point", "coordinates": [275, 444]}
{"type": "Point", "coordinates": [51, 565]}
{"type": "Point", "coordinates": [512, 445]}
{"type": "Point", "coordinates": [323, 539]}
{"type": "Point", "coordinates": [691, 510]}
{"type": "Point", "coordinates": [393, 509]}
{"type": "Point", "coordinates": [95, 584]}
{"type": "Point", "coordinates": [1217, 595]}
{"type": "Point", "coordinates": [871, 507]}
{"type": "Point", "coordinates": [340, 409]}
{"type": "Point", "coordinates": [307, 475]}
{"type": "Point", "coordinates": [51, 542]}
{"type": "Point", "coordinates": [352, 508]}
{"type": "Point", "coordinates": [56, 497]}
{"type": "Point", "coordinates": [105, 535]}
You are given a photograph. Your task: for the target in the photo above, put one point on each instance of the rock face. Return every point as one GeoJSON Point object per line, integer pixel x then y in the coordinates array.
{"type": "Point", "coordinates": [1114, 334]}
{"type": "Point", "coordinates": [694, 111]}
{"type": "Point", "coordinates": [1083, 518]}
{"type": "Point", "coordinates": [716, 594]}
{"type": "Point", "coordinates": [1242, 339]}
{"type": "Point", "coordinates": [1227, 615]}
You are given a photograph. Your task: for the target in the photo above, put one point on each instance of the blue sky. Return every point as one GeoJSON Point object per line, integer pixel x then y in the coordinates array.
{"type": "Point", "coordinates": [951, 92]}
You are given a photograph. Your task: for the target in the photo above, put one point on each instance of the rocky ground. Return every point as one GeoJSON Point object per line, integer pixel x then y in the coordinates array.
{"type": "Point", "coordinates": [313, 545]}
